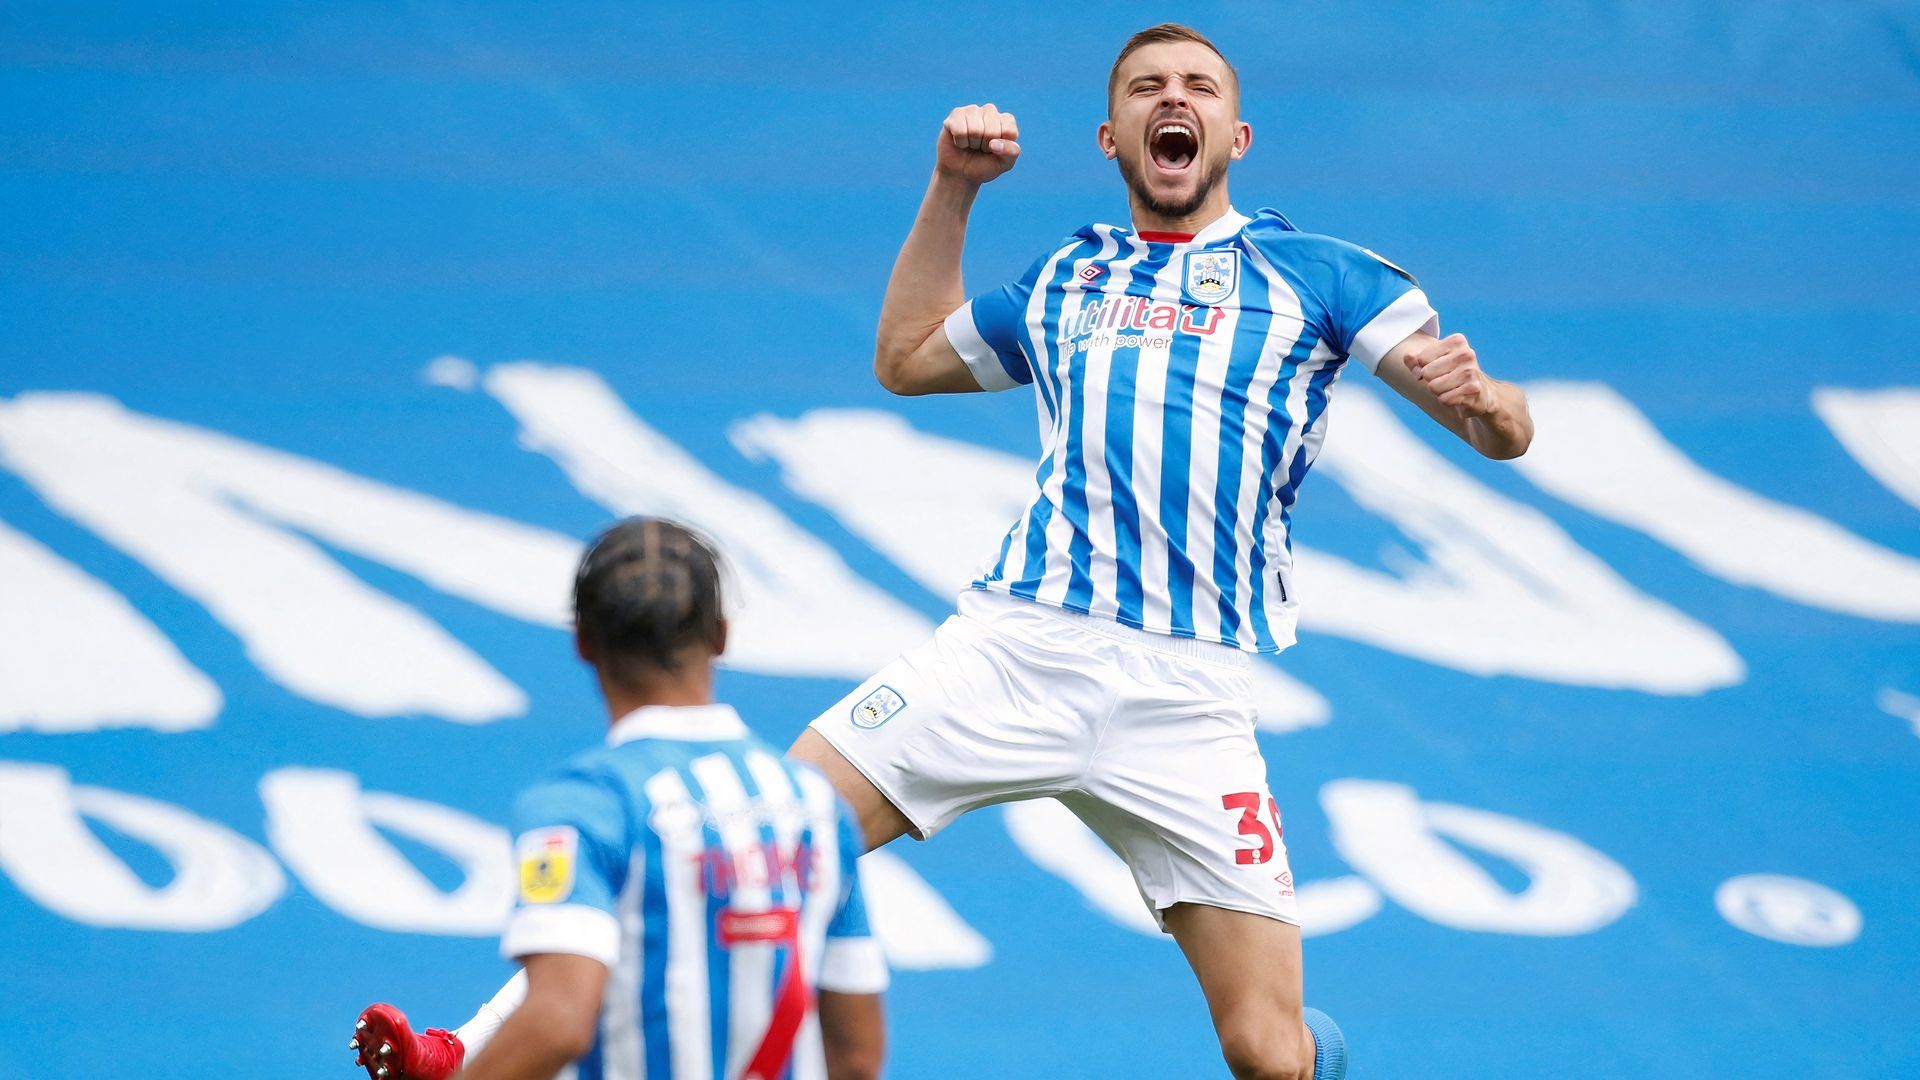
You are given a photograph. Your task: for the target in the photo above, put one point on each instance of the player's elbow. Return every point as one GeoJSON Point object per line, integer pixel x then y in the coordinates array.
{"type": "Point", "coordinates": [899, 372]}
{"type": "Point", "coordinates": [891, 367]}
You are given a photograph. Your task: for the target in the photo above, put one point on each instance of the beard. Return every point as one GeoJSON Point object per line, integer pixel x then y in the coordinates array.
{"type": "Point", "coordinates": [1135, 175]}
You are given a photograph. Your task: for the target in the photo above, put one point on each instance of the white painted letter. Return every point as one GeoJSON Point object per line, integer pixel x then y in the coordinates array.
{"type": "Point", "coordinates": [937, 507]}
{"type": "Point", "coordinates": [1597, 451]}
{"type": "Point", "coordinates": [220, 879]}
{"type": "Point", "coordinates": [323, 825]}
{"type": "Point", "coordinates": [798, 608]}
{"type": "Point", "coordinates": [1384, 831]}
{"type": "Point", "coordinates": [212, 514]}
{"type": "Point", "coordinates": [62, 632]}
{"type": "Point", "coordinates": [915, 924]}
{"type": "Point", "coordinates": [1504, 591]}
{"type": "Point", "coordinates": [1881, 429]}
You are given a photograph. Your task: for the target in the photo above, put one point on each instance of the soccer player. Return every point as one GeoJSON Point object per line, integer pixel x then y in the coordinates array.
{"type": "Point", "coordinates": [1181, 368]}
{"type": "Point", "coordinates": [687, 897]}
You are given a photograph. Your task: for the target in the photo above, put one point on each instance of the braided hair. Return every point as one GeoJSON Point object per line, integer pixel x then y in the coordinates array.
{"type": "Point", "coordinates": [646, 597]}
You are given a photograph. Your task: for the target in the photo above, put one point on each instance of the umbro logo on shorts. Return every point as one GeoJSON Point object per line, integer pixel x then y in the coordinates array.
{"type": "Point", "coordinates": [878, 707]}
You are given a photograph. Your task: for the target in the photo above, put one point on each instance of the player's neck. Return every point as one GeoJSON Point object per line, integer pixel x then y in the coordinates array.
{"type": "Point", "coordinates": [1146, 221]}
{"type": "Point", "coordinates": [694, 687]}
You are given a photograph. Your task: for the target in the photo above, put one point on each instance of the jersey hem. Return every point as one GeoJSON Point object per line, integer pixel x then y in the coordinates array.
{"type": "Point", "coordinates": [1279, 645]}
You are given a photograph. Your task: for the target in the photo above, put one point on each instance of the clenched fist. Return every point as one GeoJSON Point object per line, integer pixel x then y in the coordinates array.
{"type": "Point", "coordinates": [1450, 370]}
{"type": "Point", "coordinates": [977, 143]}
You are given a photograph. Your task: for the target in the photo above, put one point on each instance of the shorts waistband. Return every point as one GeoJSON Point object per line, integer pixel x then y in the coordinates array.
{"type": "Point", "coordinates": [986, 602]}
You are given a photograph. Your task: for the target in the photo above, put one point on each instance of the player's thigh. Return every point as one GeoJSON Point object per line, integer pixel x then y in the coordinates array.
{"type": "Point", "coordinates": [881, 822]}
{"type": "Point", "coordinates": [1249, 968]}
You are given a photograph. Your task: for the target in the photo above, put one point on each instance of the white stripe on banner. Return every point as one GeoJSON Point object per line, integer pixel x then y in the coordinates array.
{"type": "Point", "coordinates": [689, 1028]}
{"type": "Point", "coordinates": [1881, 429]}
{"type": "Point", "coordinates": [1599, 452]}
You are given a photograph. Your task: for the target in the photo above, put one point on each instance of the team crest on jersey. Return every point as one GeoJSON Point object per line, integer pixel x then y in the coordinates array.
{"type": "Point", "coordinates": [546, 858]}
{"type": "Point", "coordinates": [878, 707]}
{"type": "Point", "coordinates": [1212, 275]}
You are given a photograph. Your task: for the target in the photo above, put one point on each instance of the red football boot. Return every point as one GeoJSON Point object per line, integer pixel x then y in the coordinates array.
{"type": "Point", "coordinates": [385, 1044]}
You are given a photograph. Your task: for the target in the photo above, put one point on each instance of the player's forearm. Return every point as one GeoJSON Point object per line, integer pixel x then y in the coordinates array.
{"type": "Point", "coordinates": [1507, 430]}
{"type": "Point", "coordinates": [926, 285]}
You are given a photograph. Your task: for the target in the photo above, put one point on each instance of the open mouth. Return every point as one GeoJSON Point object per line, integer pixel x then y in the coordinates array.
{"type": "Point", "coordinates": [1173, 146]}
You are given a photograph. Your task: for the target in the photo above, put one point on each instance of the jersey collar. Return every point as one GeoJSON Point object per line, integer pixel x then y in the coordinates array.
{"type": "Point", "coordinates": [690, 722]}
{"type": "Point", "coordinates": [1218, 229]}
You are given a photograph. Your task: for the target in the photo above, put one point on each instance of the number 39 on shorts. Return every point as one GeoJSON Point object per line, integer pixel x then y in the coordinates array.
{"type": "Point", "coordinates": [1265, 841]}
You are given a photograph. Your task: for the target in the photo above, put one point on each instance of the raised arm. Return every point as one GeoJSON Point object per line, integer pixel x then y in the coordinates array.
{"type": "Point", "coordinates": [977, 143]}
{"type": "Point", "coordinates": [1443, 377]}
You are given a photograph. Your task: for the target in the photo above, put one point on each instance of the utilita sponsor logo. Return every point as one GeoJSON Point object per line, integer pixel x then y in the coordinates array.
{"type": "Point", "coordinates": [1136, 314]}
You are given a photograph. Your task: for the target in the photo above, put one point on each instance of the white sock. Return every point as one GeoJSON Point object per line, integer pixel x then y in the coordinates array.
{"type": "Point", "coordinates": [478, 1031]}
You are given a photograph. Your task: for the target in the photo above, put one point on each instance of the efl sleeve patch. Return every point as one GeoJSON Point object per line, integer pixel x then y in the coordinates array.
{"type": "Point", "coordinates": [547, 858]}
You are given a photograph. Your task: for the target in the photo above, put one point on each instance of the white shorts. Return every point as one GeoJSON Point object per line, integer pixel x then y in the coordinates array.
{"type": "Point", "coordinates": [1147, 738]}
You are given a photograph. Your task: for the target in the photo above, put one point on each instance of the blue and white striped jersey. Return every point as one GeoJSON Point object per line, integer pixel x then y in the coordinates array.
{"type": "Point", "coordinates": [1182, 393]}
{"type": "Point", "coordinates": [717, 882]}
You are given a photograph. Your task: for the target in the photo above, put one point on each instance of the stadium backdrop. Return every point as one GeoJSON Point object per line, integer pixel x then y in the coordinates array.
{"type": "Point", "coordinates": [328, 332]}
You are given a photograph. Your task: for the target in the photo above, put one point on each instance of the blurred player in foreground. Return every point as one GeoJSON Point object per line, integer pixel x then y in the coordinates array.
{"type": "Point", "coordinates": [1181, 369]}
{"type": "Point", "coordinates": [683, 891]}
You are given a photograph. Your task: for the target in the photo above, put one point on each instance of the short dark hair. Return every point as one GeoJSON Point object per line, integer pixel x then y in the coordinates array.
{"type": "Point", "coordinates": [1161, 35]}
{"type": "Point", "coordinates": [647, 593]}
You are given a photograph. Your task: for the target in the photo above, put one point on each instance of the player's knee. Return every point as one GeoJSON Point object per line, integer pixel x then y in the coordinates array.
{"type": "Point", "coordinates": [1270, 1049]}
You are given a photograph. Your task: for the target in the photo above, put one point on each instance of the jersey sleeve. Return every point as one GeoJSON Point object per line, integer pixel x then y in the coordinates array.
{"type": "Point", "coordinates": [1377, 305]}
{"type": "Point", "coordinates": [853, 962]}
{"type": "Point", "coordinates": [570, 845]}
{"type": "Point", "coordinates": [987, 331]}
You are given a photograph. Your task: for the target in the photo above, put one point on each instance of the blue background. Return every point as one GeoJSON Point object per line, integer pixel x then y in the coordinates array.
{"type": "Point", "coordinates": [265, 219]}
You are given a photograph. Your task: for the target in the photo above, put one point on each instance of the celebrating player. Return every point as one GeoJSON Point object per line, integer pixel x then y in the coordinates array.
{"type": "Point", "coordinates": [684, 891]}
{"type": "Point", "coordinates": [1182, 368]}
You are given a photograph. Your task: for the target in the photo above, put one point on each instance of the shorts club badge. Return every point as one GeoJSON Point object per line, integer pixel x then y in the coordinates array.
{"type": "Point", "coordinates": [877, 708]}
{"type": "Point", "coordinates": [546, 859]}
{"type": "Point", "coordinates": [1212, 275]}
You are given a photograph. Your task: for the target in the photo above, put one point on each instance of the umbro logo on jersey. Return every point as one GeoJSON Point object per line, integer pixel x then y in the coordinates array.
{"type": "Point", "coordinates": [1092, 272]}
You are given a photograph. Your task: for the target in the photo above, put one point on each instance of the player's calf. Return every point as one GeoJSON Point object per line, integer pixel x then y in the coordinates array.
{"type": "Point", "coordinates": [384, 1043]}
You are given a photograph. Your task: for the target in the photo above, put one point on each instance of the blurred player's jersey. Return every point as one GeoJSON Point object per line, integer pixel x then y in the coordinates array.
{"type": "Point", "coordinates": [1182, 390]}
{"type": "Point", "coordinates": [717, 882]}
